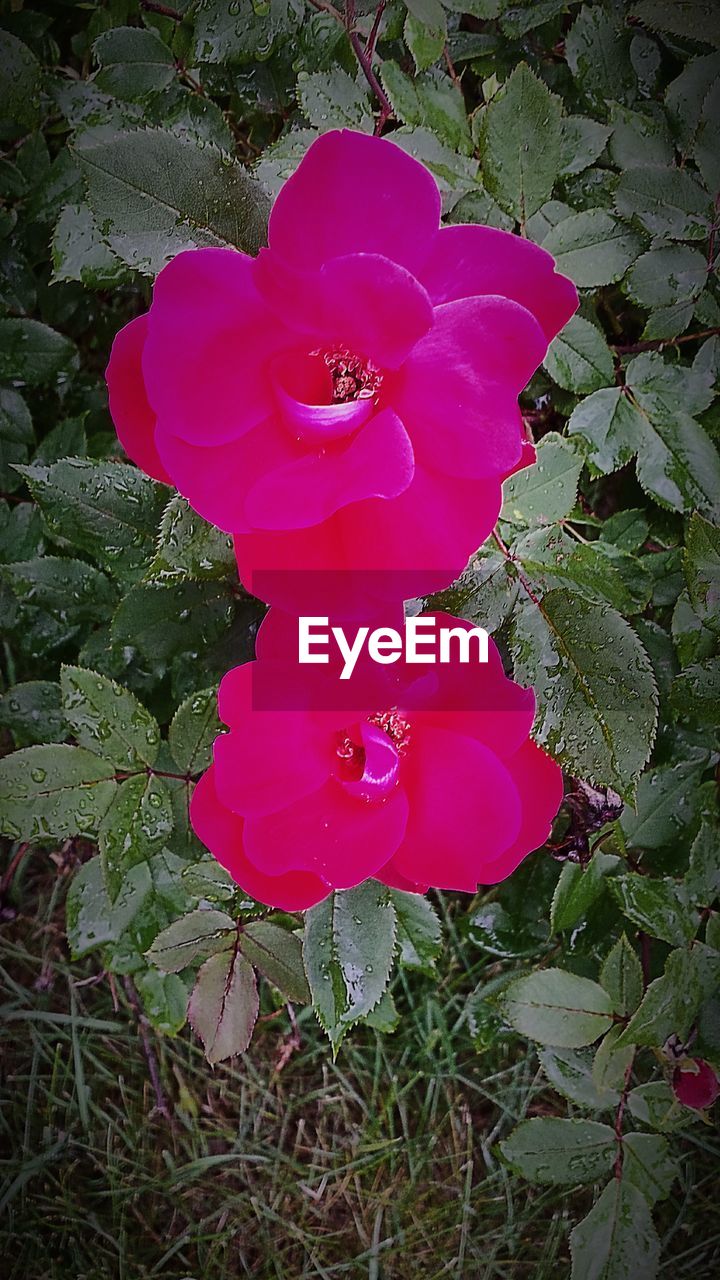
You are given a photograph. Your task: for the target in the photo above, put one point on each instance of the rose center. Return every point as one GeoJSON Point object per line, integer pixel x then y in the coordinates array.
{"type": "Point", "coordinates": [351, 754]}
{"type": "Point", "coordinates": [352, 377]}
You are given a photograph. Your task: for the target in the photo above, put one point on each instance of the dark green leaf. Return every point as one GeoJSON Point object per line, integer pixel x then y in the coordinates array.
{"type": "Point", "coordinates": [595, 689]}
{"type": "Point", "coordinates": [578, 888]}
{"type": "Point", "coordinates": [153, 194]}
{"type": "Point", "coordinates": [53, 791]}
{"type": "Point", "coordinates": [193, 730]}
{"type": "Point", "coordinates": [656, 906]}
{"type": "Point", "coordinates": [137, 825]}
{"type": "Point", "coordinates": [579, 359]}
{"type": "Point", "coordinates": [33, 353]}
{"type": "Point", "coordinates": [189, 548]}
{"type": "Point", "coordinates": [33, 713]}
{"type": "Point", "coordinates": [419, 931]}
{"type": "Point", "coordinates": [592, 247]}
{"type": "Point", "coordinates": [521, 143]}
{"type": "Point", "coordinates": [133, 63]}
{"type": "Point", "coordinates": [547, 491]}
{"type": "Point", "coordinates": [621, 976]}
{"type": "Point", "coordinates": [109, 719]}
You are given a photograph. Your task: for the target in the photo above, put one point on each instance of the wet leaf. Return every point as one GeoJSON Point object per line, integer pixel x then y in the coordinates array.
{"type": "Point", "coordinates": [562, 1152]}
{"type": "Point", "coordinates": [223, 1006]}
{"type": "Point", "coordinates": [557, 1008]}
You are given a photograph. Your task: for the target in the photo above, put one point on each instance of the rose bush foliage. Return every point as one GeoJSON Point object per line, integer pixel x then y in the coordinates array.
{"type": "Point", "coordinates": [585, 129]}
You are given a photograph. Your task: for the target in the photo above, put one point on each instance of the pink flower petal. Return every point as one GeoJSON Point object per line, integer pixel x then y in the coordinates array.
{"type": "Point", "coordinates": [539, 782]}
{"type": "Point", "coordinates": [457, 392]}
{"type": "Point", "coordinates": [216, 480]}
{"type": "Point", "coordinates": [210, 340]}
{"type": "Point", "coordinates": [222, 833]}
{"type": "Point", "coordinates": [465, 810]}
{"type": "Point", "coordinates": [467, 261]}
{"type": "Point", "coordinates": [337, 836]}
{"type": "Point", "coordinates": [377, 463]}
{"type": "Point", "coordinates": [373, 307]}
{"type": "Point", "coordinates": [353, 193]}
{"type": "Point", "coordinates": [400, 534]}
{"type": "Point", "coordinates": [392, 878]}
{"type": "Point", "coordinates": [134, 419]}
{"type": "Point", "coordinates": [271, 758]}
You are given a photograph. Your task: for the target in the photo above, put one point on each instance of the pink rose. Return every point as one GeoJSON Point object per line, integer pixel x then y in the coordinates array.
{"type": "Point", "coordinates": [347, 400]}
{"type": "Point", "coordinates": [439, 784]}
{"type": "Point", "coordinates": [695, 1084]}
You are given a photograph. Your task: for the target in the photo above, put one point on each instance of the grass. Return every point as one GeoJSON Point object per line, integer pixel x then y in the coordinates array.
{"type": "Point", "coordinates": [282, 1164]}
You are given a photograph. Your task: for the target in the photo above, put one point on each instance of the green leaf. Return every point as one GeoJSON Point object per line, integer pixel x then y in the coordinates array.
{"type": "Point", "coordinates": [134, 63]}
{"type": "Point", "coordinates": [611, 1065]}
{"type": "Point", "coordinates": [521, 143]}
{"type": "Point", "coordinates": [617, 1239]}
{"type": "Point", "coordinates": [333, 100]}
{"type": "Point", "coordinates": [648, 1164]}
{"type": "Point", "coordinates": [32, 711]}
{"type": "Point", "coordinates": [557, 1008]}
{"type": "Point", "coordinates": [53, 791]}
{"type": "Point", "coordinates": [686, 96]}
{"type": "Point", "coordinates": [703, 875]}
{"type": "Point", "coordinates": [667, 276]}
{"type": "Point", "coordinates": [193, 730]}
{"type": "Point", "coordinates": [547, 491]}
{"type": "Point", "coordinates": [33, 353]}
{"type": "Point", "coordinates": [109, 719]}
{"type": "Point", "coordinates": [153, 193]}
{"type": "Point", "coordinates": [676, 462]}
{"type": "Point", "coordinates": [580, 359]}
{"type": "Point", "coordinates": [164, 621]}
{"type": "Point", "coordinates": [597, 50]}
{"type": "Point", "coordinates": [385, 1017]}
{"type": "Point", "coordinates": [278, 954]}
{"type": "Point", "coordinates": [689, 19]}
{"type": "Point", "coordinates": [657, 907]}
{"type": "Point", "coordinates": [695, 694]}
{"type": "Point", "coordinates": [242, 31]}
{"type": "Point", "coordinates": [571, 1074]}
{"type": "Point", "coordinates": [424, 42]}
{"type": "Point", "coordinates": [656, 1105]}
{"type": "Point", "coordinates": [20, 83]}
{"type": "Point", "coordinates": [67, 437]}
{"type": "Point", "coordinates": [622, 977]}
{"type": "Point", "coordinates": [197, 935]}
{"type": "Point", "coordinates": [432, 101]}
{"type": "Point", "coordinates": [419, 932]}
{"type": "Point", "coordinates": [164, 998]}
{"type": "Point", "coordinates": [546, 1149]}
{"type": "Point", "coordinates": [16, 436]}
{"type": "Point", "coordinates": [90, 920]}
{"type": "Point", "coordinates": [106, 509]}
{"type": "Point", "coordinates": [80, 253]}
{"type": "Point", "coordinates": [70, 591]}
{"type": "Point", "coordinates": [224, 1005]}
{"type": "Point", "coordinates": [667, 202]}
{"type": "Point", "coordinates": [592, 247]}
{"type": "Point", "coordinates": [577, 889]}
{"type": "Point", "coordinates": [584, 139]}
{"type": "Point", "coordinates": [137, 825]}
{"type": "Point", "coordinates": [702, 570]}
{"type": "Point", "coordinates": [665, 803]}
{"type": "Point", "coordinates": [639, 139]}
{"type": "Point", "coordinates": [429, 12]}
{"type": "Point", "coordinates": [594, 685]}
{"type": "Point", "coordinates": [669, 1004]}
{"type": "Point", "coordinates": [348, 949]}
{"type": "Point", "coordinates": [190, 548]}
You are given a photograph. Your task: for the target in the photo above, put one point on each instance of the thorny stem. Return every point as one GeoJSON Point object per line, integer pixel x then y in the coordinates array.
{"type": "Point", "coordinates": [521, 576]}
{"type": "Point", "coordinates": [619, 1116]}
{"type": "Point", "coordinates": [161, 1105]}
{"type": "Point", "coordinates": [372, 38]}
{"type": "Point", "coordinates": [10, 873]}
{"type": "Point", "coordinates": [162, 9]}
{"type": "Point", "coordinates": [364, 56]}
{"type": "Point", "coordinates": [657, 344]}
